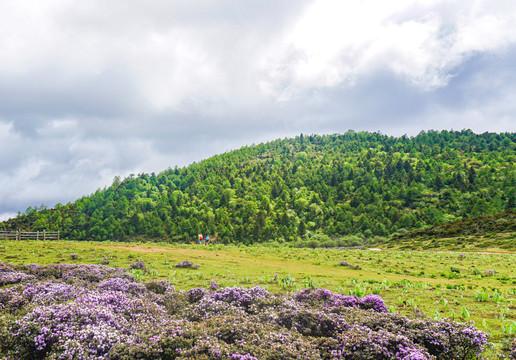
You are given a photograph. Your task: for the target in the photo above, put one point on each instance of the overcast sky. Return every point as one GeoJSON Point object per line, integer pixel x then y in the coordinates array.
{"type": "Point", "coordinates": [93, 89]}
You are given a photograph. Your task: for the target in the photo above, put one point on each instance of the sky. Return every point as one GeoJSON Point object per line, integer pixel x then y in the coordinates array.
{"type": "Point", "coordinates": [94, 89]}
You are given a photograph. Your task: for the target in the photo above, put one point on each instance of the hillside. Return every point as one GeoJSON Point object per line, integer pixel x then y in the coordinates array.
{"type": "Point", "coordinates": [364, 184]}
{"type": "Point", "coordinates": [482, 225]}
{"type": "Point", "coordinates": [491, 231]}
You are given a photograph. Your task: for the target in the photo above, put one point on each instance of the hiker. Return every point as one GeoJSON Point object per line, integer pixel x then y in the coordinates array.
{"type": "Point", "coordinates": [207, 239]}
{"type": "Point", "coordinates": [200, 238]}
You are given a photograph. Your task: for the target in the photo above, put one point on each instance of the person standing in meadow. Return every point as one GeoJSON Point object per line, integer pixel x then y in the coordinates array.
{"type": "Point", "coordinates": [200, 238]}
{"type": "Point", "coordinates": [207, 239]}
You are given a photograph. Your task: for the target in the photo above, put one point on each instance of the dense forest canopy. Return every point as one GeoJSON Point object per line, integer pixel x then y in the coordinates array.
{"type": "Point", "coordinates": [364, 184]}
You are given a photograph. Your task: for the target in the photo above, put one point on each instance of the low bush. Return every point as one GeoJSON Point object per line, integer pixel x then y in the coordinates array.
{"type": "Point", "coordinates": [350, 241]}
{"type": "Point", "coordinates": [187, 265]}
{"type": "Point", "coordinates": [118, 318]}
{"type": "Point", "coordinates": [138, 265]}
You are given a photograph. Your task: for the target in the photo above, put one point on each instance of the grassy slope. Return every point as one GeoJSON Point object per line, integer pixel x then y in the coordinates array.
{"type": "Point", "coordinates": [405, 279]}
{"type": "Point", "coordinates": [492, 232]}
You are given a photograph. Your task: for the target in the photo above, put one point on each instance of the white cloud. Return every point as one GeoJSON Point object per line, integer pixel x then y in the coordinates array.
{"type": "Point", "coordinates": [338, 43]}
{"type": "Point", "coordinates": [94, 89]}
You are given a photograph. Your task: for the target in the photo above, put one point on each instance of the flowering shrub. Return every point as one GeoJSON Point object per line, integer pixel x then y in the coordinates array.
{"type": "Point", "coordinates": [138, 265]}
{"type": "Point", "coordinates": [312, 322]}
{"type": "Point", "coordinates": [96, 312]}
{"type": "Point", "coordinates": [513, 352]}
{"type": "Point", "coordinates": [11, 300]}
{"type": "Point", "coordinates": [214, 285]}
{"type": "Point", "coordinates": [207, 308]}
{"type": "Point", "coordinates": [123, 285]}
{"type": "Point", "coordinates": [160, 286]}
{"type": "Point", "coordinates": [239, 296]}
{"type": "Point", "coordinates": [47, 292]}
{"type": "Point", "coordinates": [490, 272]}
{"type": "Point", "coordinates": [8, 275]}
{"type": "Point", "coordinates": [187, 265]}
{"type": "Point", "coordinates": [14, 277]}
{"type": "Point", "coordinates": [374, 302]}
{"type": "Point", "coordinates": [326, 297]}
{"type": "Point", "coordinates": [195, 295]}
{"type": "Point", "coordinates": [363, 343]}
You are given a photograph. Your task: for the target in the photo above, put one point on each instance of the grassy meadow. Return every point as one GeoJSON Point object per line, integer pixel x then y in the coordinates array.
{"type": "Point", "coordinates": [465, 286]}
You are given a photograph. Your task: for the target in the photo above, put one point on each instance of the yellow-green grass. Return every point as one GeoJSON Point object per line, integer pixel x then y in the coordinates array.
{"type": "Point", "coordinates": [501, 242]}
{"type": "Point", "coordinates": [479, 287]}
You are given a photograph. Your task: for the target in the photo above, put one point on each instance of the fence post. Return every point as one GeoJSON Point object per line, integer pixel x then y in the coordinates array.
{"type": "Point", "coordinates": [57, 235]}
{"type": "Point", "coordinates": [44, 234]}
{"type": "Point", "coordinates": [17, 234]}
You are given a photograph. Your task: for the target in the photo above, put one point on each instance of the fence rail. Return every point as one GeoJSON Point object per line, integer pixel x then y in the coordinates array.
{"type": "Point", "coordinates": [30, 235]}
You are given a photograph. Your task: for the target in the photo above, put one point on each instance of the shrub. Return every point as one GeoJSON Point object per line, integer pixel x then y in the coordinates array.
{"type": "Point", "coordinates": [138, 265]}
{"type": "Point", "coordinates": [312, 244]}
{"type": "Point", "coordinates": [489, 272]}
{"type": "Point", "coordinates": [350, 241]}
{"type": "Point", "coordinates": [123, 285]}
{"type": "Point", "coordinates": [14, 277]}
{"type": "Point", "coordinates": [214, 285]}
{"type": "Point", "coordinates": [374, 302]}
{"type": "Point", "coordinates": [195, 295]}
{"type": "Point", "coordinates": [187, 264]}
{"type": "Point", "coordinates": [118, 318]}
{"type": "Point", "coordinates": [160, 286]}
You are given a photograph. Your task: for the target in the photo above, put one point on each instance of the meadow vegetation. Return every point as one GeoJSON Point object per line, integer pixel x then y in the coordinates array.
{"type": "Point", "coordinates": [461, 286]}
{"type": "Point", "coordinates": [297, 229]}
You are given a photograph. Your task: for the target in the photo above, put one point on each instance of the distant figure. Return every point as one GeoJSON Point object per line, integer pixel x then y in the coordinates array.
{"type": "Point", "coordinates": [200, 238]}
{"type": "Point", "coordinates": [207, 239]}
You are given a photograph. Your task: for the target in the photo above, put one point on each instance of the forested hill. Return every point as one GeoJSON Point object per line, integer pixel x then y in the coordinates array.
{"type": "Point", "coordinates": [365, 184]}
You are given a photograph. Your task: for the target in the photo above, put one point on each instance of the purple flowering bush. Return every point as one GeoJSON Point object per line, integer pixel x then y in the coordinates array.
{"type": "Point", "coordinates": [239, 296]}
{"type": "Point", "coordinates": [138, 265]}
{"type": "Point", "coordinates": [123, 285]}
{"type": "Point", "coordinates": [14, 277]}
{"type": "Point", "coordinates": [160, 287]}
{"type": "Point", "coordinates": [97, 312]}
{"type": "Point", "coordinates": [360, 342]}
{"type": "Point", "coordinates": [510, 348]}
{"type": "Point", "coordinates": [187, 264]}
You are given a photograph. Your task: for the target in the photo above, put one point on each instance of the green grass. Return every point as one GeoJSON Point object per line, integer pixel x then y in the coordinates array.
{"type": "Point", "coordinates": [496, 242]}
{"type": "Point", "coordinates": [440, 284]}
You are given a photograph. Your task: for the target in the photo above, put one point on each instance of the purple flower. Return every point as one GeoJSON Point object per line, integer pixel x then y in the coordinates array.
{"type": "Point", "coordinates": [187, 265]}
{"type": "Point", "coordinates": [14, 277]}
{"type": "Point", "coordinates": [104, 313]}
{"type": "Point", "coordinates": [123, 285]}
{"type": "Point", "coordinates": [214, 285]}
{"type": "Point", "coordinates": [139, 265]}
{"type": "Point", "coordinates": [374, 302]}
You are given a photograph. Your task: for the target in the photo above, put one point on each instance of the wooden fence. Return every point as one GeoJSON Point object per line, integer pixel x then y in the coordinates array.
{"type": "Point", "coordinates": [29, 235]}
